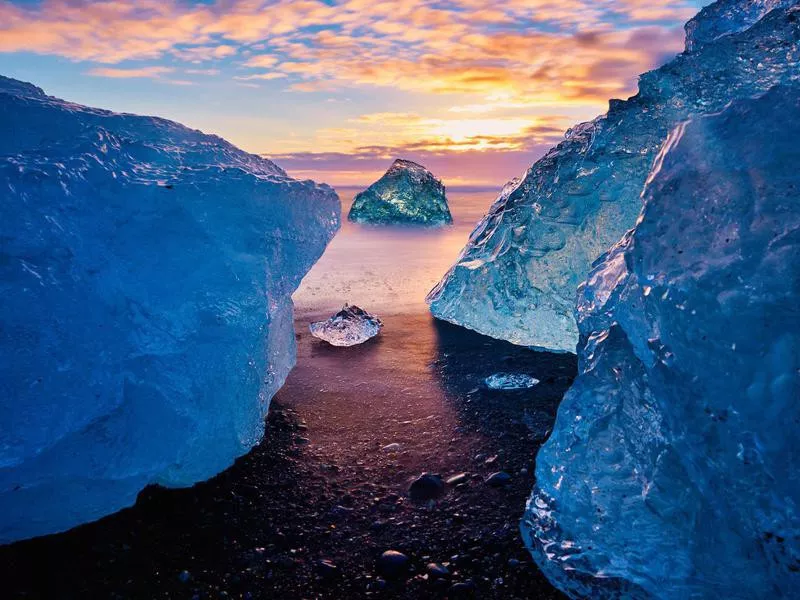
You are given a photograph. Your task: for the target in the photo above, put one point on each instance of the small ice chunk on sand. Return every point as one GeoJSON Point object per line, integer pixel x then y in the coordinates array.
{"type": "Point", "coordinates": [510, 381]}
{"type": "Point", "coordinates": [350, 326]}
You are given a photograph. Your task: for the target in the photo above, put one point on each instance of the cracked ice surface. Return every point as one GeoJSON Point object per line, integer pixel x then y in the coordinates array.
{"type": "Point", "coordinates": [146, 315]}
{"type": "Point", "coordinates": [672, 470]}
{"type": "Point", "coordinates": [516, 278]}
{"type": "Point", "coordinates": [407, 194]}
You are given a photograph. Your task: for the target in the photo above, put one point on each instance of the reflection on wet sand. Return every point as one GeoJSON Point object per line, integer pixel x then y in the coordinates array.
{"type": "Point", "coordinates": [388, 270]}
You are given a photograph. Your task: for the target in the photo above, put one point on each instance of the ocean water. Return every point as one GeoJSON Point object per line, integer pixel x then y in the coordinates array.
{"type": "Point", "coordinates": [388, 270]}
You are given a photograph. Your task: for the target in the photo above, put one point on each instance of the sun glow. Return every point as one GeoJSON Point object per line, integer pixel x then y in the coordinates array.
{"type": "Point", "coordinates": [470, 134]}
{"type": "Point", "coordinates": [469, 77]}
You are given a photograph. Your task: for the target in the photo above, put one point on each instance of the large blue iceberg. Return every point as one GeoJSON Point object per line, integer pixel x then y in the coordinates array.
{"type": "Point", "coordinates": [673, 470]}
{"type": "Point", "coordinates": [146, 274]}
{"type": "Point", "coordinates": [517, 276]}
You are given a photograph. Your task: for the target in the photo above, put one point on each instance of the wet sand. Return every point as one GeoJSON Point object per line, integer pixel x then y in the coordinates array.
{"type": "Point", "coordinates": [321, 486]}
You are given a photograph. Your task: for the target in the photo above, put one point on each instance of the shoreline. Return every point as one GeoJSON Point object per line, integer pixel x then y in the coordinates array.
{"type": "Point", "coordinates": [322, 486]}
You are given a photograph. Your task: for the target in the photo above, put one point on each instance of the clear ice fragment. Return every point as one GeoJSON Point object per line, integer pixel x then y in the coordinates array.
{"type": "Point", "coordinates": [510, 381]}
{"type": "Point", "coordinates": [349, 327]}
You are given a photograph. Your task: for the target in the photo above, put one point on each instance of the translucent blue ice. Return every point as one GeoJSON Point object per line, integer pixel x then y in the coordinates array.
{"type": "Point", "coordinates": [146, 273]}
{"type": "Point", "coordinates": [516, 278]}
{"type": "Point", "coordinates": [407, 194]}
{"type": "Point", "coordinates": [730, 16]}
{"type": "Point", "coordinates": [673, 470]}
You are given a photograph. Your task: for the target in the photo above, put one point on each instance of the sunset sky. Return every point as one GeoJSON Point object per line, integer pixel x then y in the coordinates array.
{"type": "Point", "coordinates": [333, 90]}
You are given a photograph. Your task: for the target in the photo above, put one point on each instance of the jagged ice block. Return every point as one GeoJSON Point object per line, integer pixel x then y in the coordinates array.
{"type": "Point", "coordinates": [407, 194]}
{"type": "Point", "coordinates": [672, 470]}
{"type": "Point", "coordinates": [146, 275]}
{"type": "Point", "coordinates": [517, 276]}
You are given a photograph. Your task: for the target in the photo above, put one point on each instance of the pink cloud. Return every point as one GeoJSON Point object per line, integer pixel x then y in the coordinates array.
{"type": "Point", "coordinates": [142, 72]}
{"type": "Point", "coordinates": [508, 56]}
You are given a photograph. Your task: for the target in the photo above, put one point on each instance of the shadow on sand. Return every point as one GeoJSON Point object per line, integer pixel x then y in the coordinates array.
{"type": "Point", "coordinates": [464, 359]}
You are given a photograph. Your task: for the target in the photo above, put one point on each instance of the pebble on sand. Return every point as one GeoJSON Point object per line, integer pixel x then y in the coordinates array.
{"type": "Point", "coordinates": [426, 487]}
{"type": "Point", "coordinates": [498, 479]}
{"type": "Point", "coordinates": [393, 563]}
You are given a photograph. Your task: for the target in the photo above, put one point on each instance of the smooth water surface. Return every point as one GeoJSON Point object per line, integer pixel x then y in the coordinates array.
{"type": "Point", "coordinates": [388, 270]}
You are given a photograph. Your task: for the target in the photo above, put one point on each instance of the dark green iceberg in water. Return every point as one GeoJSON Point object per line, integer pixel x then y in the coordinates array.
{"type": "Point", "coordinates": [407, 194]}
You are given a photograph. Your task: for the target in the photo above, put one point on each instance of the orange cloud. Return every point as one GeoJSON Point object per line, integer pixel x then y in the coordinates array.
{"type": "Point", "coordinates": [413, 133]}
{"type": "Point", "coordinates": [262, 76]}
{"type": "Point", "coordinates": [142, 72]}
{"type": "Point", "coordinates": [500, 64]}
{"type": "Point", "coordinates": [143, 29]}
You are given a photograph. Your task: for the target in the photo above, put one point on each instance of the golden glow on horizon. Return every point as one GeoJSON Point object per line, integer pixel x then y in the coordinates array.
{"type": "Point", "coordinates": [475, 77]}
{"type": "Point", "coordinates": [409, 132]}
{"type": "Point", "coordinates": [476, 134]}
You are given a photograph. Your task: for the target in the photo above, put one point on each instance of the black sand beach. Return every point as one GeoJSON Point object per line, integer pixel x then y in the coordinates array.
{"type": "Point", "coordinates": [323, 487]}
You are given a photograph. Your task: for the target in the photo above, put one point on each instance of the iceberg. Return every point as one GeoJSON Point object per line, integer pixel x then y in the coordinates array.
{"type": "Point", "coordinates": [146, 275]}
{"type": "Point", "coordinates": [517, 276]}
{"type": "Point", "coordinates": [672, 470]}
{"type": "Point", "coordinates": [349, 327]}
{"type": "Point", "coordinates": [407, 194]}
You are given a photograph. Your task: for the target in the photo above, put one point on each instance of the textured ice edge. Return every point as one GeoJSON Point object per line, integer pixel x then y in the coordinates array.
{"type": "Point", "coordinates": [146, 280]}
{"type": "Point", "coordinates": [672, 470]}
{"type": "Point", "coordinates": [407, 194]}
{"type": "Point", "coordinates": [516, 278]}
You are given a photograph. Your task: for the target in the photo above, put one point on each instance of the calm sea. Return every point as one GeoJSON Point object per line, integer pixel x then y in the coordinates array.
{"type": "Point", "coordinates": [388, 270]}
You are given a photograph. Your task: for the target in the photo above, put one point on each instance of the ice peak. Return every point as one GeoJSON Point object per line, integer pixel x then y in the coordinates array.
{"type": "Point", "coordinates": [97, 128]}
{"type": "Point", "coordinates": [401, 164]}
{"type": "Point", "coordinates": [19, 88]}
{"type": "Point", "coordinates": [701, 454]}
{"type": "Point", "coordinates": [725, 17]}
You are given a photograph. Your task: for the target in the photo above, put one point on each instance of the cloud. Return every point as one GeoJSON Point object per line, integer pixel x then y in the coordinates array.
{"type": "Point", "coordinates": [203, 53]}
{"type": "Point", "coordinates": [209, 72]}
{"type": "Point", "coordinates": [471, 169]}
{"type": "Point", "coordinates": [133, 73]}
{"type": "Point", "coordinates": [261, 61]}
{"type": "Point", "coordinates": [396, 134]}
{"type": "Point", "coordinates": [262, 76]}
{"type": "Point", "coordinates": [553, 51]}
{"type": "Point", "coordinates": [156, 73]}
{"type": "Point", "coordinates": [497, 74]}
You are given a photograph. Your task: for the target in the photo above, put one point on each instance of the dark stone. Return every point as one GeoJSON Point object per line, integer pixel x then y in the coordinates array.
{"type": "Point", "coordinates": [499, 479]}
{"type": "Point", "coordinates": [426, 487]}
{"type": "Point", "coordinates": [340, 512]}
{"type": "Point", "coordinates": [437, 571]}
{"type": "Point", "coordinates": [464, 589]}
{"type": "Point", "coordinates": [458, 479]}
{"type": "Point", "coordinates": [393, 563]}
{"type": "Point", "coordinates": [285, 562]}
{"type": "Point", "coordinates": [379, 584]}
{"type": "Point", "coordinates": [327, 569]}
